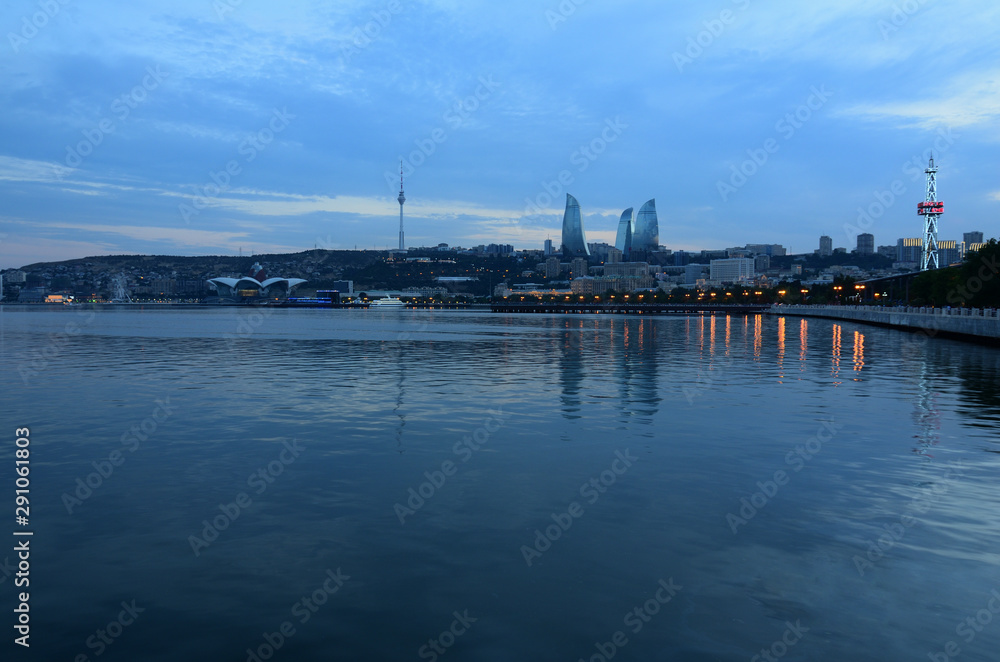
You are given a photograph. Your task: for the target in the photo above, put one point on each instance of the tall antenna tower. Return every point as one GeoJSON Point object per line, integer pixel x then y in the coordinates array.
{"type": "Point", "coordinates": [931, 210]}
{"type": "Point", "coordinates": [402, 199]}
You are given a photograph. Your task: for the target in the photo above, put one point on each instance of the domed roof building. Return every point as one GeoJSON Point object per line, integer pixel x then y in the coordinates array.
{"type": "Point", "coordinates": [254, 284]}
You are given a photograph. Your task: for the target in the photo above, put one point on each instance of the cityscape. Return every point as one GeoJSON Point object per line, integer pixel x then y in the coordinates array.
{"type": "Point", "coordinates": [567, 330]}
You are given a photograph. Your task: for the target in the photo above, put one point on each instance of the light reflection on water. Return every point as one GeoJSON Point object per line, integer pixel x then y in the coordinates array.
{"type": "Point", "coordinates": [709, 406]}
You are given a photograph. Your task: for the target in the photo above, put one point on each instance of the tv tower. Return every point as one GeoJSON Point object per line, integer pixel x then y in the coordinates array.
{"type": "Point", "coordinates": [402, 199]}
{"type": "Point", "coordinates": [931, 210]}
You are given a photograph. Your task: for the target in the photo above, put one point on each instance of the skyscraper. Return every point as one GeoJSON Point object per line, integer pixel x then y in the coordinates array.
{"type": "Point", "coordinates": [646, 236]}
{"type": "Point", "coordinates": [825, 246]}
{"type": "Point", "coordinates": [623, 241]}
{"type": "Point", "coordinates": [972, 238]}
{"type": "Point", "coordinates": [866, 243]}
{"type": "Point", "coordinates": [574, 243]}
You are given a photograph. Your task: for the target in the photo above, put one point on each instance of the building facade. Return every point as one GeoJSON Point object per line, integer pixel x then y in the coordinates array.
{"type": "Point", "coordinates": [574, 241]}
{"type": "Point", "coordinates": [732, 270]}
{"type": "Point", "coordinates": [866, 244]}
{"type": "Point", "coordinates": [623, 241]}
{"type": "Point", "coordinates": [825, 246]}
{"type": "Point", "coordinates": [646, 236]}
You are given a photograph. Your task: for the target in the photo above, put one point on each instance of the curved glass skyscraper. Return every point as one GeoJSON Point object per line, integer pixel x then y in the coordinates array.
{"type": "Point", "coordinates": [574, 243]}
{"type": "Point", "coordinates": [647, 229]}
{"type": "Point", "coordinates": [624, 240]}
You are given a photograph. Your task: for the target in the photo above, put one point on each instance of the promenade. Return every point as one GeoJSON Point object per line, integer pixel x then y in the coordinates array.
{"type": "Point", "coordinates": [965, 323]}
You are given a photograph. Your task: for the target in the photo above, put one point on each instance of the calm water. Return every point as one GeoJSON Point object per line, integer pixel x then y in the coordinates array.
{"type": "Point", "coordinates": [677, 421]}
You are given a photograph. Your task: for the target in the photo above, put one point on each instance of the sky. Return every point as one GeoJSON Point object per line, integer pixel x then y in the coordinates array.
{"type": "Point", "coordinates": [214, 127]}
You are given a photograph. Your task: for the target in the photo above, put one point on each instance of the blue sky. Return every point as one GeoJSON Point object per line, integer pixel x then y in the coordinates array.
{"type": "Point", "coordinates": [121, 120]}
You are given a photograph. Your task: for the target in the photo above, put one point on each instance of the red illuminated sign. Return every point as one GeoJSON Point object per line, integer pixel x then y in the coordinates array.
{"type": "Point", "coordinates": [925, 208]}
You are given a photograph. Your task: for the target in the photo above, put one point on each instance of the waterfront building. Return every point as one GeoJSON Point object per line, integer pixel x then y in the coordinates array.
{"type": "Point", "coordinates": [579, 267]}
{"type": "Point", "coordinates": [574, 241]}
{"type": "Point", "coordinates": [254, 284]}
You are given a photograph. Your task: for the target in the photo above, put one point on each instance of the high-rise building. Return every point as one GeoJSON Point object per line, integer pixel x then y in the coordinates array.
{"type": "Point", "coordinates": [825, 246]}
{"type": "Point", "coordinates": [732, 270]}
{"type": "Point", "coordinates": [909, 249]}
{"type": "Point", "coordinates": [574, 243]}
{"type": "Point", "coordinates": [646, 236]}
{"type": "Point", "coordinates": [623, 241]}
{"type": "Point", "coordinates": [549, 250]}
{"type": "Point", "coordinates": [973, 237]}
{"type": "Point", "coordinates": [552, 267]}
{"type": "Point", "coordinates": [692, 272]}
{"type": "Point", "coordinates": [579, 267]}
{"type": "Point", "coordinates": [948, 252]}
{"type": "Point", "coordinates": [866, 243]}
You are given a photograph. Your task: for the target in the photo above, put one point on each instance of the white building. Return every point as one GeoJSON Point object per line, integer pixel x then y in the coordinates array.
{"type": "Point", "coordinates": [732, 270]}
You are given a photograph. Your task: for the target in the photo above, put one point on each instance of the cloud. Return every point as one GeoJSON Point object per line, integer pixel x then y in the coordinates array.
{"type": "Point", "coordinates": [968, 100]}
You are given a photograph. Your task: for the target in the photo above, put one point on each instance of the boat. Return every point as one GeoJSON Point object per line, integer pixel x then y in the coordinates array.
{"type": "Point", "coordinates": [387, 302]}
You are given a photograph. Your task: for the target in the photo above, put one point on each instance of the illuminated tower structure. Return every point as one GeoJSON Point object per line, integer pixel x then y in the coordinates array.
{"type": "Point", "coordinates": [401, 199]}
{"type": "Point", "coordinates": [931, 210]}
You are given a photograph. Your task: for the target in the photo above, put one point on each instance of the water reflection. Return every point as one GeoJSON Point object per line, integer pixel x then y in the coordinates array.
{"type": "Point", "coordinates": [803, 343]}
{"type": "Point", "coordinates": [835, 360]}
{"type": "Point", "coordinates": [859, 352]}
{"type": "Point", "coordinates": [781, 349]}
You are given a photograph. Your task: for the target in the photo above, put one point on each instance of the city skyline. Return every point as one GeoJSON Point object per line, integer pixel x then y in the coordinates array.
{"type": "Point", "coordinates": [166, 132]}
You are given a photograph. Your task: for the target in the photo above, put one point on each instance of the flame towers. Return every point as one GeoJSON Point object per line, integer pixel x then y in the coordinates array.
{"type": "Point", "coordinates": [623, 241]}
{"type": "Point", "coordinates": [574, 243]}
{"type": "Point", "coordinates": [646, 236]}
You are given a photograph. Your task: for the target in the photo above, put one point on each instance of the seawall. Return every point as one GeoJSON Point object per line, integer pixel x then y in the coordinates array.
{"type": "Point", "coordinates": [981, 324]}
